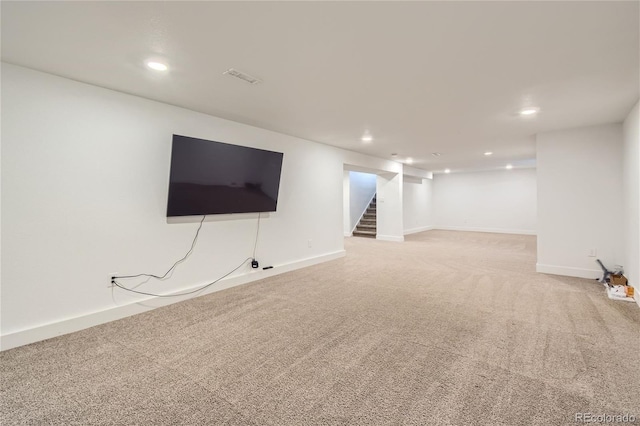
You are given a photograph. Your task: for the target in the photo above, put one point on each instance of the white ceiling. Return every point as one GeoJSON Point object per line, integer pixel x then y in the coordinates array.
{"type": "Point", "coordinates": [421, 77]}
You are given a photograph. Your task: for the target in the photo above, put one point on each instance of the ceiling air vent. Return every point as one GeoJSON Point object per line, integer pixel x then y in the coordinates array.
{"type": "Point", "coordinates": [242, 76]}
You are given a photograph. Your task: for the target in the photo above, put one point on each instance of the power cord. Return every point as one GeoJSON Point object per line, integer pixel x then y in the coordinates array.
{"type": "Point", "coordinates": [257, 232]}
{"type": "Point", "coordinates": [116, 283]}
{"type": "Point", "coordinates": [254, 264]}
{"type": "Point", "coordinates": [161, 277]}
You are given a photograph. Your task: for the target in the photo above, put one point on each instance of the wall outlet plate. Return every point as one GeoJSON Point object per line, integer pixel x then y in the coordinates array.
{"type": "Point", "coordinates": [111, 275]}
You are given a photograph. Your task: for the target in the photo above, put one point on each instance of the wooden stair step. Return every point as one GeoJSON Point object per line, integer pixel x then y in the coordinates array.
{"type": "Point", "coordinates": [368, 234]}
{"type": "Point", "coordinates": [366, 227]}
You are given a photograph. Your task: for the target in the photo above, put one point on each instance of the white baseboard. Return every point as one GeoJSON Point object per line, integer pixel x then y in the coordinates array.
{"type": "Point", "coordinates": [576, 272]}
{"type": "Point", "coordinates": [490, 230]}
{"type": "Point", "coordinates": [568, 271]}
{"type": "Point", "coordinates": [416, 230]}
{"type": "Point", "coordinates": [390, 238]}
{"type": "Point", "coordinates": [70, 325]}
{"type": "Point", "coordinates": [348, 234]}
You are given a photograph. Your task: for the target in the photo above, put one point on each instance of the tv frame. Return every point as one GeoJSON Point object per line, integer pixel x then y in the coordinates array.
{"type": "Point", "coordinates": [171, 213]}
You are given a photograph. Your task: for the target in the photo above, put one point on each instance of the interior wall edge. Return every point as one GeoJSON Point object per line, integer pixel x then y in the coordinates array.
{"type": "Point", "coordinates": [419, 229]}
{"type": "Point", "coordinates": [489, 230]}
{"type": "Point", "coordinates": [568, 271]}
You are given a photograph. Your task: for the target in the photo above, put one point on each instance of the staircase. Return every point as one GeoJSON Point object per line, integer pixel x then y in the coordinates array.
{"type": "Point", "coordinates": [367, 225]}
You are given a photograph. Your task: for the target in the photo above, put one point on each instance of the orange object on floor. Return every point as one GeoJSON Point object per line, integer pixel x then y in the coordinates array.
{"type": "Point", "coordinates": [629, 291]}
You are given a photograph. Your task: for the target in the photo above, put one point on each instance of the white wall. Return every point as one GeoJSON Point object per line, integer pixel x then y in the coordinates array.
{"type": "Point", "coordinates": [362, 188]}
{"type": "Point", "coordinates": [580, 200]}
{"type": "Point", "coordinates": [389, 207]}
{"type": "Point", "coordinates": [84, 188]}
{"type": "Point", "coordinates": [491, 201]}
{"type": "Point", "coordinates": [346, 204]}
{"type": "Point", "coordinates": [417, 204]}
{"type": "Point", "coordinates": [631, 198]}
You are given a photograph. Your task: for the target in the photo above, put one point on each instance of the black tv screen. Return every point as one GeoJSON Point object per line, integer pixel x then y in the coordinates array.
{"type": "Point", "coordinates": [210, 177]}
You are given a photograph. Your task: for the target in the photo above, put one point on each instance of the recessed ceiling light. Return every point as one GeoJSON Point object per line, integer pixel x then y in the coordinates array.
{"type": "Point", "coordinates": [367, 138]}
{"type": "Point", "coordinates": [509, 167]}
{"type": "Point", "coordinates": [529, 111]}
{"type": "Point", "coordinates": [447, 170]}
{"type": "Point", "coordinates": [393, 154]}
{"type": "Point", "coordinates": [409, 160]}
{"type": "Point", "coordinates": [488, 153]}
{"type": "Point", "coordinates": [157, 66]}
{"type": "Point", "coordinates": [436, 154]}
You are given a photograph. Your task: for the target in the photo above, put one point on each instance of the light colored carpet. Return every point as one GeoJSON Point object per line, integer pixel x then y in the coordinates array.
{"type": "Point", "coordinates": [446, 328]}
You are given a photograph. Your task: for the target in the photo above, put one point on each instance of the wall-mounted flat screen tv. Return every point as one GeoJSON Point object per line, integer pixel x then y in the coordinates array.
{"type": "Point", "coordinates": [210, 177]}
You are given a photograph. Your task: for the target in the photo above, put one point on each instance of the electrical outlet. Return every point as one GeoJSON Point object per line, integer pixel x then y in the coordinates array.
{"type": "Point", "coordinates": [111, 275]}
{"type": "Point", "coordinates": [593, 252]}
{"type": "Point", "coordinates": [310, 243]}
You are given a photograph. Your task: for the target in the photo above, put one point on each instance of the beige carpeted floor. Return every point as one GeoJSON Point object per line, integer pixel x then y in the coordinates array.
{"type": "Point", "coordinates": [446, 328]}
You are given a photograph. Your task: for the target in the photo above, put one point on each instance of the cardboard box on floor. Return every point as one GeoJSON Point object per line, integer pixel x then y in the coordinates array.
{"type": "Point", "coordinates": [620, 292]}
{"type": "Point", "coordinates": [618, 279]}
